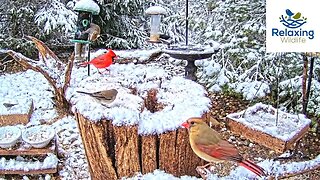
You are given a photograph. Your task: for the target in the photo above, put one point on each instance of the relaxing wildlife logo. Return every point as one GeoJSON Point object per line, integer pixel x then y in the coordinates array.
{"type": "Point", "coordinates": [293, 31]}
{"type": "Point", "coordinates": [292, 20]}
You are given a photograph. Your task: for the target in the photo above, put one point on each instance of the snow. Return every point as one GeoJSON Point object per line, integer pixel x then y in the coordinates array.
{"type": "Point", "coordinates": [9, 135]}
{"type": "Point", "coordinates": [32, 85]}
{"type": "Point", "coordinates": [158, 175]}
{"type": "Point", "coordinates": [88, 6]}
{"type": "Point", "coordinates": [38, 136]}
{"type": "Point", "coordinates": [182, 49]}
{"type": "Point", "coordinates": [264, 118]}
{"type": "Point", "coordinates": [278, 169]}
{"type": "Point", "coordinates": [156, 10]}
{"type": "Point", "coordinates": [70, 146]}
{"type": "Point", "coordinates": [177, 94]}
{"type": "Point", "coordinates": [141, 55]}
{"type": "Point", "coordinates": [19, 163]}
{"type": "Point", "coordinates": [251, 90]}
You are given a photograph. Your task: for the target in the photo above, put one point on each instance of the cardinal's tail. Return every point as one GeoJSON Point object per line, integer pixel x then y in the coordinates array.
{"type": "Point", "coordinates": [253, 167]}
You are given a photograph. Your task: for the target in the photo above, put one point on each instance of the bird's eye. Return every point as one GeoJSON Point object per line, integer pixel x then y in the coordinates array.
{"type": "Point", "coordinates": [192, 123]}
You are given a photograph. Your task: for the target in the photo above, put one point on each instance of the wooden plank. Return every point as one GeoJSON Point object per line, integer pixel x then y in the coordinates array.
{"type": "Point", "coordinates": [13, 119]}
{"type": "Point", "coordinates": [51, 148]}
{"type": "Point", "coordinates": [263, 138]}
{"type": "Point", "coordinates": [34, 171]}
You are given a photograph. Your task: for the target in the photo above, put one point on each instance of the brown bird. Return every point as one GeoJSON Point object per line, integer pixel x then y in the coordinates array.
{"type": "Point", "coordinates": [105, 97]}
{"type": "Point", "coordinates": [93, 32]}
{"type": "Point", "coordinates": [9, 105]}
{"type": "Point", "coordinates": [208, 145]}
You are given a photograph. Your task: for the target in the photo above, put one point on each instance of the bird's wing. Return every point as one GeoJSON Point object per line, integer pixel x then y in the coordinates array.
{"type": "Point", "coordinates": [101, 95]}
{"type": "Point", "coordinates": [222, 150]}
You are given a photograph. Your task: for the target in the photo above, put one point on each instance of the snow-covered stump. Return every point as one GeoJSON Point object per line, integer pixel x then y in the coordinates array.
{"type": "Point", "coordinates": [141, 130]}
{"type": "Point", "coordinates": [114, 152]}
{"type": "Point", "coordinates": [259, 123]}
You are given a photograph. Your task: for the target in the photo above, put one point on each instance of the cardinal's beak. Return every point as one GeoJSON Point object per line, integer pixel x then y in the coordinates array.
{"type": "Point", "coordinates": [186, 125]}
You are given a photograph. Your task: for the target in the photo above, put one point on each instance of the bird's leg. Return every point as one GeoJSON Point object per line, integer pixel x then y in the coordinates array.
{"type": "Point", "coordinates": [206, 165]}
{"type": "Point", "coordinates": [202, 170]}
{"type": "Point", "coordinates": [106, 70]}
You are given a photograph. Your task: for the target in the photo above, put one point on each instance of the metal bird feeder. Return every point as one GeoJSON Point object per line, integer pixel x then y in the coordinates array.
{"type": "Point", "coordinates": [155, 12]}
{"type": "Point", "coordinates": [183, 52]}
{"type": "Point", "coordinates": [85, 9]}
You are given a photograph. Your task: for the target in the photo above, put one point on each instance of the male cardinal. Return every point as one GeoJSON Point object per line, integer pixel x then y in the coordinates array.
{"type": "Point", "coordinates": [105, 97]}
{"type": "Point", "coordinates": [102, 61]}
{"type": "Point", "coordinates": [208, 145]}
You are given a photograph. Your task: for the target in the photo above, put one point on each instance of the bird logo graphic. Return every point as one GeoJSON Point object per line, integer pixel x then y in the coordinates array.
{"type": "Point", "coordinates": [292, 20]}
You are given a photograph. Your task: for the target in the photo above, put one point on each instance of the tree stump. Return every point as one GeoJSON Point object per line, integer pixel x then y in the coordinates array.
{"type": "Point", "coordinates": [140, 131]}
{"type": "Point", "coordinates": [119, 151]}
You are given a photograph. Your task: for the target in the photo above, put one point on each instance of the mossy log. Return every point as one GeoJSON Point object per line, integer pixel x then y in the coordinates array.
{"type": "Point", "coordinates": [119, 151]}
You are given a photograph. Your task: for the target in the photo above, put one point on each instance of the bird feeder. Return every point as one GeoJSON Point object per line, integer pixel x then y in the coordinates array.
{"type": "Point", "coordinates": [155, 12]}
{"type": "Point", "coordinates": [85, 9]}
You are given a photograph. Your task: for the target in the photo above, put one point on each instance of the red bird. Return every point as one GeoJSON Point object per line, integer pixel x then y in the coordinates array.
{"type": "Point", "coordinates": [208, 145]}
{"type": "Point", "coordinates": [102, 61]}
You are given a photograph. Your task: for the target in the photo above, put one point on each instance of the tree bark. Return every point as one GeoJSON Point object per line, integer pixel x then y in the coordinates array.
{"type": "Point", "coordinates": [114, 152]}
{"type": "Point", "coordinates": [100, 163]}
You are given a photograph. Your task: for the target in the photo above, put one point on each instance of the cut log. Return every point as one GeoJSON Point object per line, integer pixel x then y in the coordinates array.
{"type": "Point", "coordinates": [100, 163]}
{"type": "Point", "coordinates": [114, 152]}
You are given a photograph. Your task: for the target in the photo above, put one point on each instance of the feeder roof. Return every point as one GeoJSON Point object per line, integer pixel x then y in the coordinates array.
{"type": "Point", "coordinates": [87, 6]}
{"type": "Point", "coordinates": [156, 10]}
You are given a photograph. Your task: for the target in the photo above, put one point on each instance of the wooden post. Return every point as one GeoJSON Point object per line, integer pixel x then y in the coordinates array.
{"type": "Point", "coordinates": [114, 152]}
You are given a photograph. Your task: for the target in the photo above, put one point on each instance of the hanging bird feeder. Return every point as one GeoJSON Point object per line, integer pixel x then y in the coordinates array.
{"type": "Point", "coordinates": [85, 9]}
{"type": "Point", "coordinates": [155, 12]}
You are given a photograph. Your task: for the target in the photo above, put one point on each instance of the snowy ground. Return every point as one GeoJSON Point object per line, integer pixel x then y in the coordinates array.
{"type": "Point", "coordinates": [15, 88]}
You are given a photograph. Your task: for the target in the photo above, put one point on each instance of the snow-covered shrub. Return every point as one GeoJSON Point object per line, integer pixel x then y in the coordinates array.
{"type": "Point", "coordinates": [122, 24]}
{"type": "Point", "coordinates": [55, 17]}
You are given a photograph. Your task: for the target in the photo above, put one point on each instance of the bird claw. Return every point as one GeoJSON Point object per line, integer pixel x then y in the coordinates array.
{"type": "Point", "coordinates": [103, 72]}
{"type": "Point", "coordinates": [202, 171]}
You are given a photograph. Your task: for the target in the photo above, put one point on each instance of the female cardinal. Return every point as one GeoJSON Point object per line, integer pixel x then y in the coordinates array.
{"type": "Point", "coordinates": [102, 61]}
{"type": "Point", "coordinates": [207, 144]}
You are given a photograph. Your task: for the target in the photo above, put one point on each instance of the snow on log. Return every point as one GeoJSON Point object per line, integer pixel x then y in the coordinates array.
{"type": "Point", "coordinates": [140, 131]}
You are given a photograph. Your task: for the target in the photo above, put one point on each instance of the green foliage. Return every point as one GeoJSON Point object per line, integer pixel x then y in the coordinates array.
{"type": "Point", "coordinates": [225, 89]}
{"type": "Point", "coordinates": [18, 45]}
{"type": "Point", "coordinates": [121, 23]}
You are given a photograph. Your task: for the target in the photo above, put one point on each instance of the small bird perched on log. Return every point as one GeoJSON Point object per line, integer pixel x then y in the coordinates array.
{"type": "Point", "coordinates": [8, 105]}
{"type": "Point", "coordinates": [102, 61]}
{"type": "Point", "coordinates": [105, 97]}
{"type": "Point", "coordinates": [208, 145]}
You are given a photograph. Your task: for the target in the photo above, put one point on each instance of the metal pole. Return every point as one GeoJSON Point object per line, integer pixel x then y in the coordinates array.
{"type": "Point", "coordinates": [90, 18]}
{"type": "Point", "coordinates": [309, 83]}
{"type": "Point", "coordinates": [187, 22]}
{"type": "Point", "coordinates": [88, 59]}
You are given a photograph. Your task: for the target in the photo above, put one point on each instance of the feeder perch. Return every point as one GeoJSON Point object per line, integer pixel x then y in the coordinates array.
{"type": "Point", "coordinates": [155, 12]}
{"type": "Point", "coordinates": [85, 9]}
